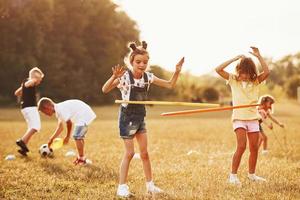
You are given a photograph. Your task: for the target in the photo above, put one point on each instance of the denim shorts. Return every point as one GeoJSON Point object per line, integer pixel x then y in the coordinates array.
{"type": "Point", "coordinates": [79, 132]}
{"type": "Point", "coordinates": [130, 124]}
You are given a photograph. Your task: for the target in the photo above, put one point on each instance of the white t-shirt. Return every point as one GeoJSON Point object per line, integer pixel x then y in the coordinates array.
{"type": "Point", "coordinates": [75, 110]}
{"type": "Point", "coordinates": [124, 85]}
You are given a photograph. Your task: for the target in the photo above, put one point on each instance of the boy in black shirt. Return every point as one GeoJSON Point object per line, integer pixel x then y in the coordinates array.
{"type": "Point", "coordinates": [27, 92]}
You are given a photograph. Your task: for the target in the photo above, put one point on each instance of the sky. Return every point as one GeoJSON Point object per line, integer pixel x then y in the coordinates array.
{"type": "Point", "coordinates": [209, 32]}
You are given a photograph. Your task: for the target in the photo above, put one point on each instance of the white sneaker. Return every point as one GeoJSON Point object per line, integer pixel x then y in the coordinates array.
{"type": "Point", "coordinates": [151, 188]}
{"type": "Point", "coordinates": [253, 177]}
{"type": "Point", "coordinates": [123, 191]}
{"type": "Point", "coordinates": [82, 161]}
{"type": "Point", "coordinates": [264, 152]}
{"type": "Point", "coordinates": [88, 162]}
{"type": "Point", "coordinates": [233, 179]}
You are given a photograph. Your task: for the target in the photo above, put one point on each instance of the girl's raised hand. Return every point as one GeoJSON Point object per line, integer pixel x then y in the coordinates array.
{"type": "Point", "coordinates": [179, 65]}
{"type": "Point", "coordinates": [118, 71]}
{"type": "Point", "coordinates": [255, 52]}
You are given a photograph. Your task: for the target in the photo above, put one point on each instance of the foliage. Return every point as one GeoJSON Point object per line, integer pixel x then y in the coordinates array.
{"type": "Point", "coordinates": [74, 42]}
{"type": "Point", "coordinates": [292, 85]}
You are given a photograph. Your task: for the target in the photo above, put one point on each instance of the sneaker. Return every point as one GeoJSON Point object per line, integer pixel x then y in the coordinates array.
{"type": "Point", "coordinates": [151, 188]}
{"type": "Point", "coordinates": [80, 161]}
{"type": "Point", "coordinates": [253, 177]}
{"type": "Point", "coordinates": [22, 145]}
{"type": "Point", "coordinates": [23, 153]}
{"type": "Point", "coordinates": [264, 152]}
{"type": "Point", "coordinates": [123, 191]}
{"type": "Point", "coordinates": [88, 161]}
{"type": "Point", "coordinates": [233, 179]}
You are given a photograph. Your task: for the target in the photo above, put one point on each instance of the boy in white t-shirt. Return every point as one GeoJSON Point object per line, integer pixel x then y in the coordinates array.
{"type": "Point", "coordinates": [71, 112]}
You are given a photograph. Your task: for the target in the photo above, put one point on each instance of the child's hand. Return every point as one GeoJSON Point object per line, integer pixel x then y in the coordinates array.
{"type": "Point", "coordinates": [179, 65]}
{"type": "Point", "coordinates": [118, 71]}
{"type": "Point", "coordinates": [66, 140]}
{"type": "Point", "coordinates": [281, 125]}
{"type": "Point", "coordinates": [31, 82]}
{"type": "Point", "coordinates": [255, 52]}
{"type": "Point", "coordinates": [270, 126]}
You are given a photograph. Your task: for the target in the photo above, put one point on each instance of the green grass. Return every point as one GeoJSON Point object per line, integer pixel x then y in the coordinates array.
{"type": "Point", "coordinates": [201, 175]}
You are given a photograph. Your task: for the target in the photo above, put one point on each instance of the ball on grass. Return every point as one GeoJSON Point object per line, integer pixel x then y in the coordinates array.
{"type": "Point", "coordinates": [45, 151]}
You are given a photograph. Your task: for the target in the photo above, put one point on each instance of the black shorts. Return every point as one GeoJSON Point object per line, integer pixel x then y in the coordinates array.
{"type": "Point", "coordinates": [260, 127]}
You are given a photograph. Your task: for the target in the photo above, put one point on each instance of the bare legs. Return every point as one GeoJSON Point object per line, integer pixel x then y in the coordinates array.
{"type": "Point", "coordinates": [241, 136]}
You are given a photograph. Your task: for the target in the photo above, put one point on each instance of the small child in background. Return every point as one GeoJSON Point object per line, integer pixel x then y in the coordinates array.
{"type": "Point", "coordinates": [265, 111]}
{"type": "Point", "coordinates": [27, 92]}
{"type": "Point", "coordinates": [71, 112]}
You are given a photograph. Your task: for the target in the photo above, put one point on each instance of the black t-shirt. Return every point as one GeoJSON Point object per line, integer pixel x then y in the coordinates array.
{"type": "Point", "coordinates": [28, 98]}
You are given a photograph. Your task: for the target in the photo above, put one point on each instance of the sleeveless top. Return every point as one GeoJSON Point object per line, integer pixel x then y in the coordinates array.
{"type": "Point", "coordinates": [28, 98]}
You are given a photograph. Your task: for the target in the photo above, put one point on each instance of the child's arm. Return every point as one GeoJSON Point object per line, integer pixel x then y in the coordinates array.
{"type": "Point", "coordinates": [275, 121]}
{"type": "Point", "coordinates": [264, 75]}
{"type": "Point", "coordinates": [270, 126]}
{"type": "Point", "coordinates": [30, 83]}
{"type": "Point", "coordinates": [220, 68]}
{"type": "Point", "coordinates": [113, 81]}
{"type": "Point", "coordinates": [172, 82]}
{"type": "Point", "coordinates": [57, 132]}
{"type": "Point", "coordinates": [69, 128]}
{"type": "Point", "coordinates": [18, 91]}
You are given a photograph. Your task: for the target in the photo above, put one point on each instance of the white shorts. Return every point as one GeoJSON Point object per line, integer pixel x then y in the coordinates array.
{"type": "Point", "coordinates": [249, 125]}
{"type": "Point", "coordinates": [32, 117]}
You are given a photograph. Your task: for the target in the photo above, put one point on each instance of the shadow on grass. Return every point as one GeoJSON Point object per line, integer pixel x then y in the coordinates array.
{"type": "Point", "coordinates": [148, 197]}
{"type": "Point", "coordinates": [88, 173]}
{"type": "Point", "coordinates": [287, 187]}
{"type": "Point", "coordinates": [24, 158]}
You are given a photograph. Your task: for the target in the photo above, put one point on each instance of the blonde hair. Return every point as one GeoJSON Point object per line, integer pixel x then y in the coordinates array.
{"type": "Point", "coordinates": [43, 102]}
{"type": "Point", "coordinates": [267, 98]}
{"type": "Point", "coordinates": [36, 70]}
{"type": "Point", "coordinates": [135, 50]}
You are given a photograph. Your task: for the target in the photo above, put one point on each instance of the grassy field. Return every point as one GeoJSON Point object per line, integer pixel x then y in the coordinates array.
{"type": "Point", "coordinates": [200, 175]}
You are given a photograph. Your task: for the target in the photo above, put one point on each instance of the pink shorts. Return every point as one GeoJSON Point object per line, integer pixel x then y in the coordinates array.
{"type": "Point", "coordinates": [249, 125]}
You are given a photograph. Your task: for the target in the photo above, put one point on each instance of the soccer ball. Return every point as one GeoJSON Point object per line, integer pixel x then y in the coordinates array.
{"type": "Point", "coordinates": [45, 151]}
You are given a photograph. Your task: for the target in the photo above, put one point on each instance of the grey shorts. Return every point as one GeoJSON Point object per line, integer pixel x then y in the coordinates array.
{"type": "Point", "coordinates": [129, 125]}
{"type": "Point", "coordinates": [80, 132]}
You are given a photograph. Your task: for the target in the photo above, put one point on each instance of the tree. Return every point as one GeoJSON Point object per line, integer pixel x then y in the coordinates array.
{"type": "Point", "coordinates": [74, 42]}
{"type": "Point", "coordinates": [292, 85]}
{"type": "Point", "coordinates": [210, 94]}
{"type": "Point", "coordinates": [156, 92]}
